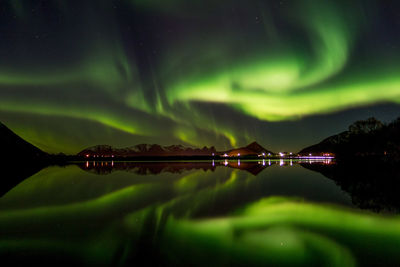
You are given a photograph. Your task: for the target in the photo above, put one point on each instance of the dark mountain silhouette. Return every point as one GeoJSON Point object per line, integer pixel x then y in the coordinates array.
{"type": "Point", "coordinates": [19, 159]}
{"type": "Point", "coordinates": [146, 150]}
{"type": "Point", "coordinates": [257, 148]}
{"type": "Point", "coordinates": [14, 147]}
{"type": "Point", "coordinates": [154, 150]}
{"type": "Point", "coordinates": [253, 149]}
{"type": "Point", "coordinates": [363, 138]}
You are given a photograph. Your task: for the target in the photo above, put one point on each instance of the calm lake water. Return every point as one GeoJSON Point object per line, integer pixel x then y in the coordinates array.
{"type": "Point", "coordinates": [214, 213]}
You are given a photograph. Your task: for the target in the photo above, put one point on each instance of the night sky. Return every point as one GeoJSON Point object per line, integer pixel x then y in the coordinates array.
{"type": "Point", "coordinates": [202, 72]}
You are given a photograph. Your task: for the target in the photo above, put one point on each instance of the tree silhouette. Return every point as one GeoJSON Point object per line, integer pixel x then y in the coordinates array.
{"type": "Point", "coordinates": [365, 126]}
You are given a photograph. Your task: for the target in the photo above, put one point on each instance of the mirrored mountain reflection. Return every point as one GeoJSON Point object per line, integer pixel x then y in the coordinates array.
{"type": "Point", "coordinates": [157, 167]}
{"type": "Point", "coordinates": [143, 168]}
{"type": "Point", "coordinates": [83, 181]}
{"type": "Point", "coordinates": [16, 172]}
{"type": "Point", "coordinates": [372, 184]}
{"type": "Point", "coordinates": [209, 216]}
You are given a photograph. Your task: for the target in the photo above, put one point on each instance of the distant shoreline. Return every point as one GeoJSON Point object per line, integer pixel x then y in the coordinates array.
{"type": "Point", "coordinates": [192, 158]}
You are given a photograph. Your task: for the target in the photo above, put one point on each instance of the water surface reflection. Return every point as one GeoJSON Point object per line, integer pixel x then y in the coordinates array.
{"type": "Point", "coordinates": [190, 213]}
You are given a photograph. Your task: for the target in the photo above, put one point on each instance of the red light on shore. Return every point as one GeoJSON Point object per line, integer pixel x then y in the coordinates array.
{"type": "Point", "coordinates": [87, 155]}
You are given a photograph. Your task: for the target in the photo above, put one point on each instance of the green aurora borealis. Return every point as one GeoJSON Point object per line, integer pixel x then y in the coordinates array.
{"type": "Point", "coordinates": [220, 73]}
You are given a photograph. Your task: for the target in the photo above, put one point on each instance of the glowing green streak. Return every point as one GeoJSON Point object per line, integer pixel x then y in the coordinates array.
{"type": "Point", "coordinates": [330, 42]}
{"type": "Point", "coordinates": [104, 66]}
{"type": "Point", "coordinates": [188, 134]}
{"type": "Point", "coordinates": [319, 101]}
{"type": "Point", "coordinates": [269, 87]}
{"type": "Point", "coordinates": [277, 78]}
{"type": "Point", "coordinates": [93, 113]}
{"type": "Point", "coordinates": [270, 231]}
{"type": "Point", "coordinates": [289, 106]}
{"type": "Point", "coordinates": [286, 233]}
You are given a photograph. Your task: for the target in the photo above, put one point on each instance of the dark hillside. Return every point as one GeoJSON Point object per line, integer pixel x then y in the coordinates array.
{"type": "Point", "coordinates": [366, 138]}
